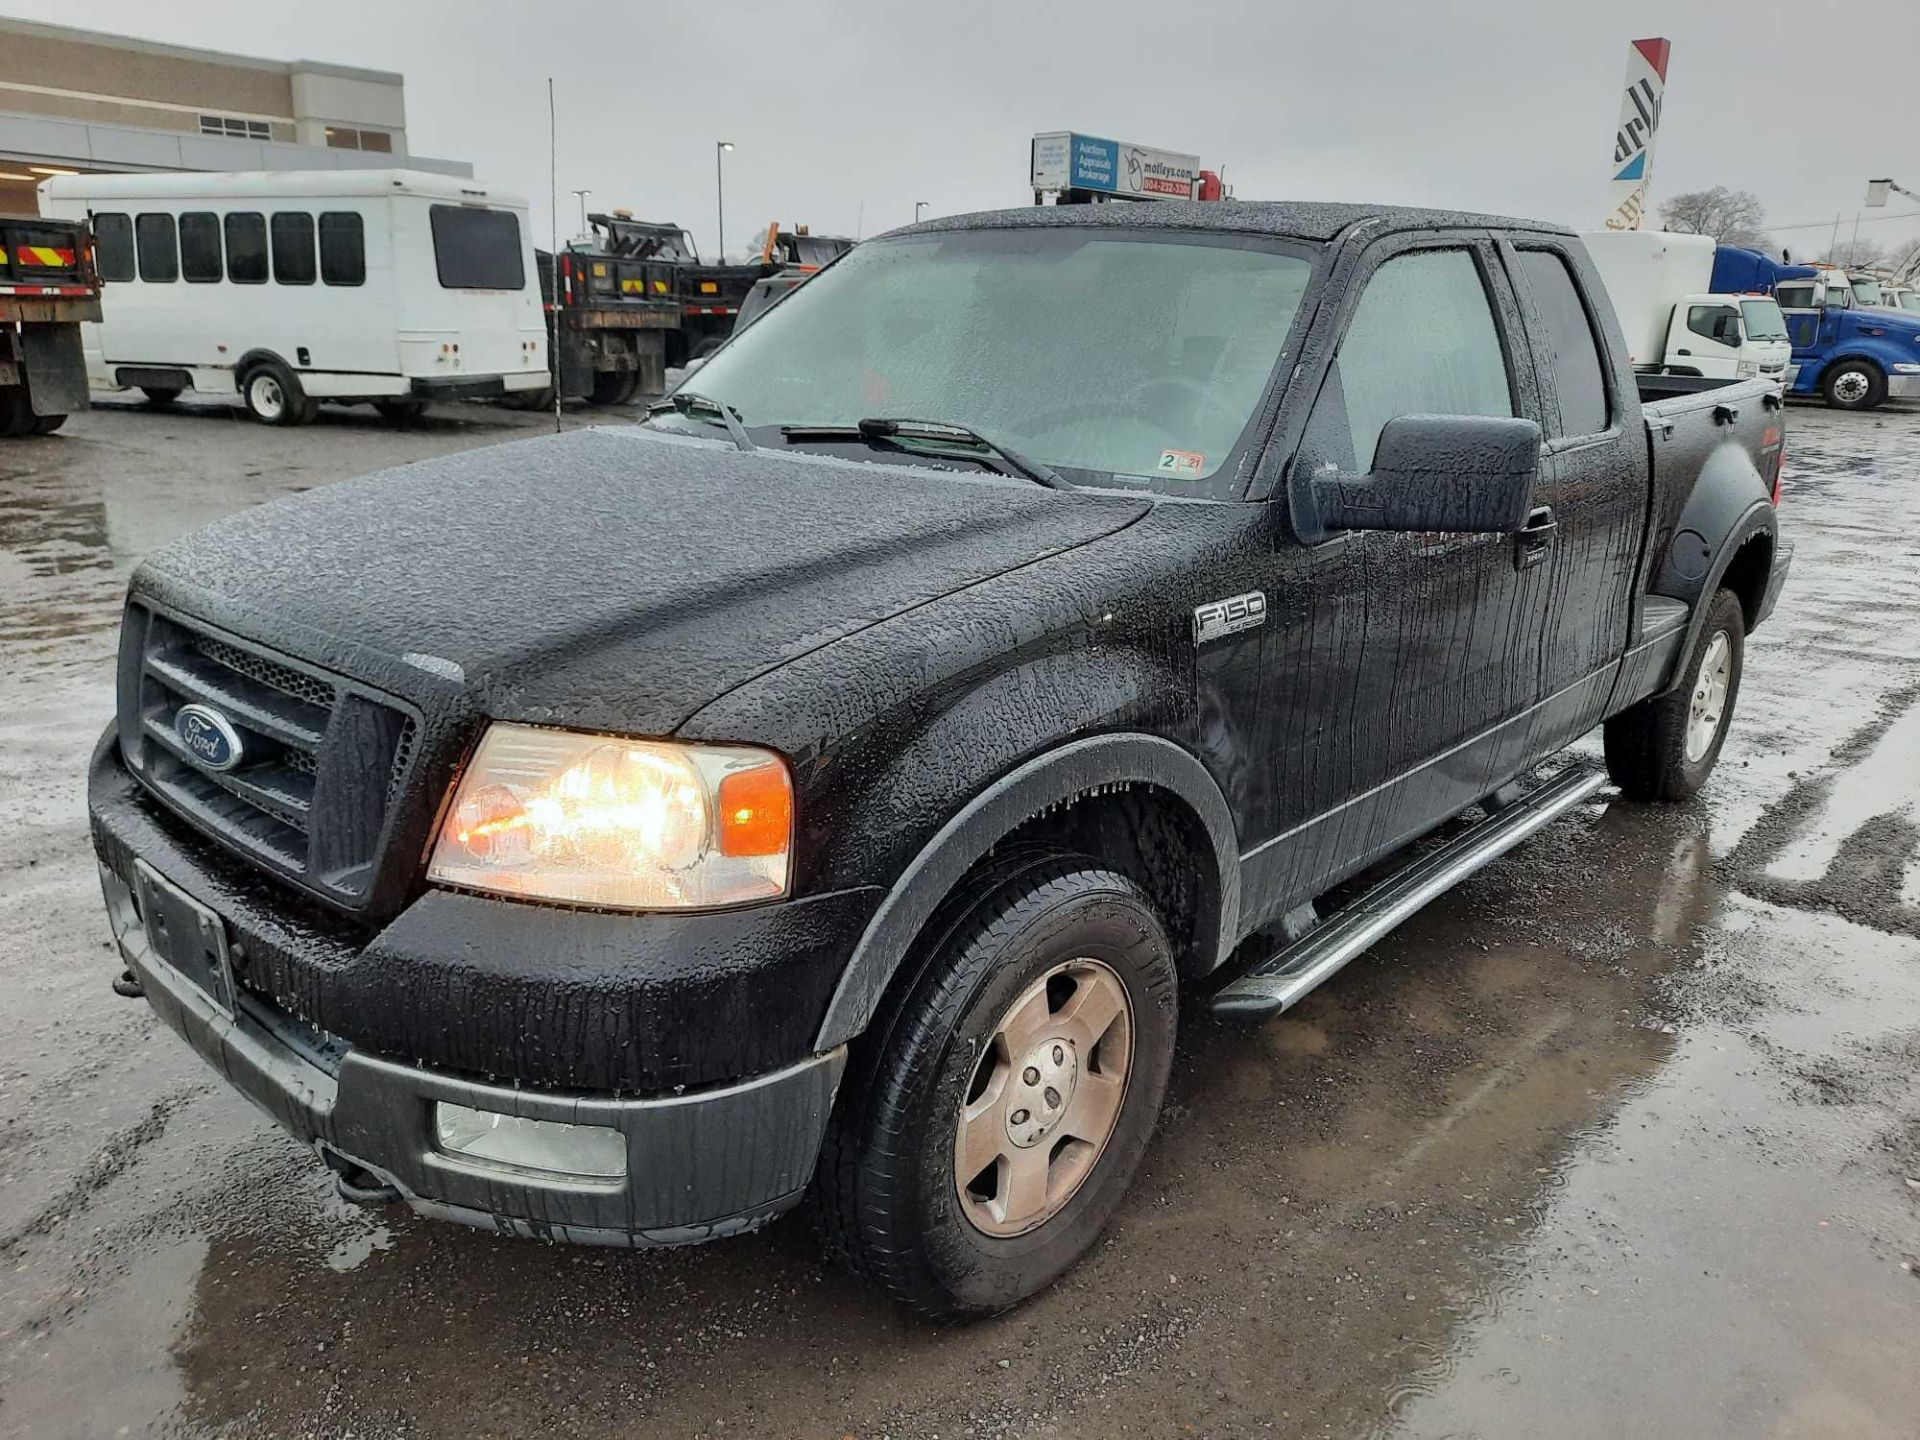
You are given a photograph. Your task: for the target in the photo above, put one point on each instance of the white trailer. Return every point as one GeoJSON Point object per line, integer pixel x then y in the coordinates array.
{"type": "Point", "coordinates": [389, 287]}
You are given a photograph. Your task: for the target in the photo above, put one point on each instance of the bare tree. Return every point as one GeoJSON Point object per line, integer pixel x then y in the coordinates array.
{"type": "Point", "coordinates": [1860, 254]}
{"type": "Point", "coordinates": [1732, 217]}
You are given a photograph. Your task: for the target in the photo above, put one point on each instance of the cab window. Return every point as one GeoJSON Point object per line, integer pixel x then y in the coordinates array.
{"type": "Point", "coordinates": [1579, 373]}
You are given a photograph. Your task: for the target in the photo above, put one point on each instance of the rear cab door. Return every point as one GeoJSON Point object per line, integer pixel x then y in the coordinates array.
{"type": "Point", "coordinates": [1592, 497]}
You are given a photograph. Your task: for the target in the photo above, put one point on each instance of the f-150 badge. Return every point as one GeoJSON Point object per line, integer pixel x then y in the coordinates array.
{"type": "Point", "coordinates": [1219, 618]}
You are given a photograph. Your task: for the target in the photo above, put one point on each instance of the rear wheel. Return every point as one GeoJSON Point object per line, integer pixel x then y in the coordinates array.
{"type": "Point", "coordinates": [159, 395]}
{"type": "Point", "coordinates": [1665, 747]}
{"type": "Point", "coordinates": [273, 397]}
{"type": "Point", "coordinates": [16, 412]}
{"type": "Point", "coordinates": [992, 1125]}
{"type": "Point", "coordinates": [612, 387]}
{"type": "Point", "coordinates": [1854, 385]}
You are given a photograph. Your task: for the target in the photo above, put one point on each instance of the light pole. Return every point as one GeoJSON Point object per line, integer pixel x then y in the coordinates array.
{"type": "Point", "coordinates": [918, 206]}
{"type": "Point", "coordinates": [581, 196]}
{"type": "Point", "coordinates": [720, 148]}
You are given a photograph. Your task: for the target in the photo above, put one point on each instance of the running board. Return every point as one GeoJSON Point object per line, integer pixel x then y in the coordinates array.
{"type": "Point", "coordinates": [1283, 979]}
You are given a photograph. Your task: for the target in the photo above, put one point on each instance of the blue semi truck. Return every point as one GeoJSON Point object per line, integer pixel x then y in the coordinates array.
{"type": "Point", "coordinates": [1853, 357]}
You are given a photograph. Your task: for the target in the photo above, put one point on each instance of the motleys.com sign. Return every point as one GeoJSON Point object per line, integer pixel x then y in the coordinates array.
{"type": "Point", "coordinates": [1064, 160]}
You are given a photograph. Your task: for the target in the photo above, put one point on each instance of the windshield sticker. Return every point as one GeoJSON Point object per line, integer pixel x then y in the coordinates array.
{"type": "Point", "coordinates": [1183, 464]}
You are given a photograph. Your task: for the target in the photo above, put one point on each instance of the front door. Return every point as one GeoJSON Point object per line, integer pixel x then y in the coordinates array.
{"type": "Point", "coordinates": [1393, 660]}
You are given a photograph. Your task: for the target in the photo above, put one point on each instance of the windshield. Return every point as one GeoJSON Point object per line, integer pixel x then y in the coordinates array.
{"type": "Point", "coordinates": [1764, 320]}
{"type": "Point", "coordinates": [1910, 301]}
{"type": "Point", "coordinates": [1126, 357]}
{"type": "Point", "coordinates": [1866, 292]}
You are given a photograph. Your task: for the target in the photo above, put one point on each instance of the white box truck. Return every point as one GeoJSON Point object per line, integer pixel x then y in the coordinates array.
{"type": "Point", "coordinates": [1673, 320]}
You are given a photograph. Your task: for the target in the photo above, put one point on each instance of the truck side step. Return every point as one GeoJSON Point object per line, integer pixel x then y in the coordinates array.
{"type": "Point", "coordinates": [1284, 978]}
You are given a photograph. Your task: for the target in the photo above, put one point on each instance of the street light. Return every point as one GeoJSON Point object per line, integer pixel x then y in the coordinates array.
{"type": "Point", "coordinates": [581, 196]}
{"type": "Point", "coordinates": [918, 206]}
{"type": "Point", "coordinates": [720, 148]}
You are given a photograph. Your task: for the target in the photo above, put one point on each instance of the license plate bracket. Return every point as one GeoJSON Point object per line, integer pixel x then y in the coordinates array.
{"type": "Point", "coordinates": [185, 934]}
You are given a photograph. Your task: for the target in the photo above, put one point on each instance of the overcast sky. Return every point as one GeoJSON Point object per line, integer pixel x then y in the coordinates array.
{"type": "Point", "coordinates": [845, 114]}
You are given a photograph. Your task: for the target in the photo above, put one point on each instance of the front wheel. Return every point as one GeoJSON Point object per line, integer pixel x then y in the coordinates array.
{"type": "Point", "coordinates": [992, 1126]}
{"type": "Point", "coordinates": [1854, 385]}
{"type": "Point", "coordinates": [1665, 747]}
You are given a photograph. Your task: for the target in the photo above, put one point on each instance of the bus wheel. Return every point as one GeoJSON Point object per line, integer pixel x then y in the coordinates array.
{"type": "Point", "coordinates": [400, 412]}
{"type": "Point", "coordinates": [274, 397]}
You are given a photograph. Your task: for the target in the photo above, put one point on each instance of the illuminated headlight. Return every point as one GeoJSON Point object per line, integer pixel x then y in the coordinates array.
{"type": "Point", "coordinates": [553, 1147]}
{"type": "Point", "coordinates": [623, 824]}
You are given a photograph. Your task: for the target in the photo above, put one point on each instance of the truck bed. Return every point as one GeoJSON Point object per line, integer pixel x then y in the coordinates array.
{"type": "Point", "coordinates": [1664, 387]}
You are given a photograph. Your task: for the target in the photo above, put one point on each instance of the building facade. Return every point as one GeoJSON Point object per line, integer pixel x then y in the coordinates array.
{"type": "Point", "coordinates": [78, 100]}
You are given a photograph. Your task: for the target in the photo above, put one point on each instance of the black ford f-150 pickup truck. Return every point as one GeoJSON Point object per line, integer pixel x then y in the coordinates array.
{"type": "Point", "coordinates": [836, 782]}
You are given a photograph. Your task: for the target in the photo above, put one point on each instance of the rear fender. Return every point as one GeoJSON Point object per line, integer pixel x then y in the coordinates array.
{"type": "Point", "coordinates": [1728, 509]}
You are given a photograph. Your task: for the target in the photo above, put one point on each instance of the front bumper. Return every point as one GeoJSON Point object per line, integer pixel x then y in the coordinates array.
{"type": "Point", "coordinates": [1903, 387]}
{"type": "Point", "coordinates": [698, 1166]}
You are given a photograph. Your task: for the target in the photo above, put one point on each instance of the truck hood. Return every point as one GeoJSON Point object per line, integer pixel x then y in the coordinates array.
{"type": "Point", "coordinates": [608, 578]}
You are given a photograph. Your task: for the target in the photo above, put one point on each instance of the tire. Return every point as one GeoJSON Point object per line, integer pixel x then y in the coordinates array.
{"type": "Point", "coordinates": [160, 395]}
{"type": "Point", "coordinates": [612, 387]}
{"type": "Point", "coordinates": [1031, 944]}
{"type": "Point", "coordinates": [1655, 750]}
{"type": "Point", "coordinates": [273, 397]}
{"type": "Point", "coordinates": [16, 413]}
{"type": "Point", "coordinates": [400, 412]}
{"type": "Point", "coordinates": [1854, 385]}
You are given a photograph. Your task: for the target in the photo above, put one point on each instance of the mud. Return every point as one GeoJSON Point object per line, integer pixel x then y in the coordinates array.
{"type": "Point", "coordinates": [1621, 1137]}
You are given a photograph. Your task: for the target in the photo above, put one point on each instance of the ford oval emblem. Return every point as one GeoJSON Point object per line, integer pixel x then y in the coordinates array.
{"type": "Point", "coordinates": [209, 737]}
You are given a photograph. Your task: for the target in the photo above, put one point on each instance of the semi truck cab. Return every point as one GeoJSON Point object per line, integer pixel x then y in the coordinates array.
{"type": "Point", "coordinates": [1854, 356]}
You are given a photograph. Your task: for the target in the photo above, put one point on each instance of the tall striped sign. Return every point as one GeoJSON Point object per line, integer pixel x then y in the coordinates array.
{"type": "Point", "coordinates": [1633, 140]}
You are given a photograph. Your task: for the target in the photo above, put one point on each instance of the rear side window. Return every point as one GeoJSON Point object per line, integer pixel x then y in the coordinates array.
{"type": "Point", "coordinates": [292, 233]}
{"type": "Point", "coordinates": [1422, 341]}
{"type": "Point", "coordinates": [113, 246]}
{"type": "Point", "coordinates": [343, 248]}
{"type": "Point", "coordinates": [476, 249]}
{"type": "Point", "coordinates": [200, 247]}
{"type": "Point", "coordinates": [247, 248]}
{"type": "Point", "coordinates": [1578, 377]}
{"type": "Point", "coordinates": [159, 251]}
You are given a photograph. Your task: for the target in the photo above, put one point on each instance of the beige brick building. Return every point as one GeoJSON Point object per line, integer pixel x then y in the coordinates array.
{"type": "Point", "coordinates": [81, 100]}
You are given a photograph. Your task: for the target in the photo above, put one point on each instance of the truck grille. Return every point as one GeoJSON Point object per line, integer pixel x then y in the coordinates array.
{"type": "Point", "coordinates": [321, 758]}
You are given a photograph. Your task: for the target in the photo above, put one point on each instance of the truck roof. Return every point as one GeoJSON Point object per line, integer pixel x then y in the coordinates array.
{"type": "Point", "coordinates": [1298, 219]}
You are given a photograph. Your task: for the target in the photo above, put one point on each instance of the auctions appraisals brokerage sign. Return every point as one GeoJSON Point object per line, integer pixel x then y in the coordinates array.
{"type": "Point", "coordinates": [1063, 160]}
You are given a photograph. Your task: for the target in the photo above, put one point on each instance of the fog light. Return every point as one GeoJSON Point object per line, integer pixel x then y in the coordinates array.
{"type": "Point", "coordinates": [553, 1147]}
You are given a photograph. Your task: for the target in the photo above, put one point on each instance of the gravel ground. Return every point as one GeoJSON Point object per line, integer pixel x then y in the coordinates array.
{"type": "Point", "coordinates": [1620, 1137]}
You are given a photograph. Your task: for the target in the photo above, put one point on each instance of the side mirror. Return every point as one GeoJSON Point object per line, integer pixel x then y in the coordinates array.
{"type": "Point", "coordinates": [1466, 474]}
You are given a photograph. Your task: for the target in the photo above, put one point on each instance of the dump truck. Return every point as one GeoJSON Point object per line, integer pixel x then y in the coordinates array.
{"type": "Point", "coordinates": [48, 285]}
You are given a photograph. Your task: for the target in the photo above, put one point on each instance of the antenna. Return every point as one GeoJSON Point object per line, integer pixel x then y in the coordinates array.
{"type": "Point", "coordinates": [553, 216]}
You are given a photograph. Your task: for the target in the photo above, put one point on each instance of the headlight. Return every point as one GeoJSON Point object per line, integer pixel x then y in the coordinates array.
{"type": "Point", "coordinates": [1746, 369]}
{"type": "Point", "coordinates": [1901, 368]}
{"type": "Point", "coordinates": [626, 824]}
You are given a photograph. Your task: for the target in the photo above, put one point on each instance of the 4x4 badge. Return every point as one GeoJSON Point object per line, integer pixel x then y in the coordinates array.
{"type": "Point", "coordinates": [1219, 618]}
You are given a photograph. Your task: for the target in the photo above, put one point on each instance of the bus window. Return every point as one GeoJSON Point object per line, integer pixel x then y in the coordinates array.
{"type": "Point", "coordinates": [343, 248]}
{"type": "Point", "coordinates": [159, 253]}
{"type": "Point", "coordinates": [476, 249]}
{"type": "Point", "coordinates": [113, 246]}
{"type": "Point", "coordinates": [292, 232]}
{"type": "Point", "coordinates": [200, 247]}
{"type": "Point", "coordinates": [247, 248]}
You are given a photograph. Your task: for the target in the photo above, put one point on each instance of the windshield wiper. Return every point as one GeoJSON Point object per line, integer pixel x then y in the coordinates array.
{"type": "Point", "coordinates": [885, 431]}
{"type": "Point", "coordinates": [685, 402]}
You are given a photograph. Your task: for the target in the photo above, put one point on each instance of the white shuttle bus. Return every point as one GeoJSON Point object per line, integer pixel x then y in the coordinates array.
{"type": "Point", "coordinates": [386, 287]}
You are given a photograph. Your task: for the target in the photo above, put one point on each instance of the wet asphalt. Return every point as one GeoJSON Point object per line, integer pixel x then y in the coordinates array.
{"type": "Point", "coordinates": [1621, 1137]}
